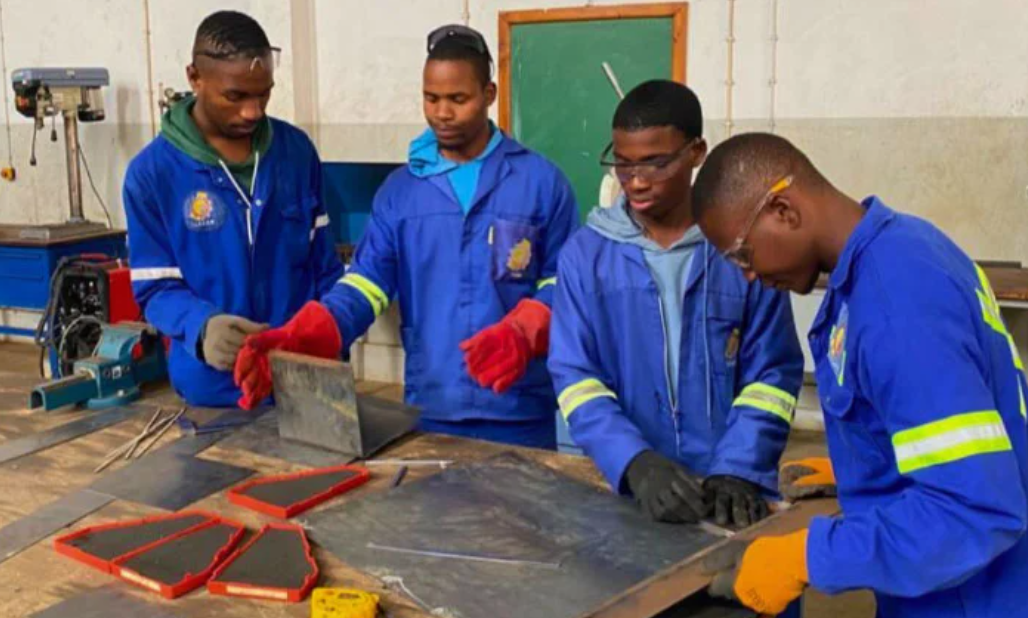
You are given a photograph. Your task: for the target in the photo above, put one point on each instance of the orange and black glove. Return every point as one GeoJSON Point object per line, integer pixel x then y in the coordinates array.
{"type": "Point", "coordinates": [312, 331]}
{"type": "Point", "coordinates": [499, 355]}
{"type": "Point", "coordinates": [765, 575]}
{"type": "Point", "coordinates": [812, 477]}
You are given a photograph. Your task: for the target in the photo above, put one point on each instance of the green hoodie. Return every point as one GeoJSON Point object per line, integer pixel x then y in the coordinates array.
{"type": "Point", "coordinates": [179, 128]}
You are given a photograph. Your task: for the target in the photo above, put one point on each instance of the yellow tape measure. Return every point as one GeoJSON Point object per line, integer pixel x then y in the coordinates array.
{"type": "Point", "coordinates": [343, 603]}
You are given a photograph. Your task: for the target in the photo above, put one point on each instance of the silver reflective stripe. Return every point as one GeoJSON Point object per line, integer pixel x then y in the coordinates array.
{"type": "Point", "coordinates": [321, 221]}
{"type": "Point", "coordinates": [153, 274]}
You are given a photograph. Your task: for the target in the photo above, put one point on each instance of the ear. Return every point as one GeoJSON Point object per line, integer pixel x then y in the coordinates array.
{"type": "Point", "coordinates": [786, 212]}
{"type": "Point", "coordinates": [193, 75]}
{"type": "Point", "coordinates": [490, 93]}
{"type": "Point", "coordinates": [698, 153]}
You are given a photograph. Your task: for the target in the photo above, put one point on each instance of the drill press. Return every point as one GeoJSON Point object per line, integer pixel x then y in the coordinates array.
{"type": "Point", "coordinates": [29, 254]}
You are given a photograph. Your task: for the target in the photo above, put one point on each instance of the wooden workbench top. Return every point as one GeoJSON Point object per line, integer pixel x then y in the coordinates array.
{"type": "Point", "coordinates": [38, 577]}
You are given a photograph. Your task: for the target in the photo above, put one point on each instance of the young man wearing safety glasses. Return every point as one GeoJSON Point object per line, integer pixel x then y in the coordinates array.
{"type": "Point", "coordinates": [226, 226]}
{"type": "Point", "coordinates": [676, 376]}
{"type": "Point", "coordinates": [922, 388]}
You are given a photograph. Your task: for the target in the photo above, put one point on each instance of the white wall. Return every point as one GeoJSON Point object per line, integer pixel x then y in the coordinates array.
{"type": "Point", "coordinates": [110, 34]}
{"type": "Point", "coordinates": [924, 103]}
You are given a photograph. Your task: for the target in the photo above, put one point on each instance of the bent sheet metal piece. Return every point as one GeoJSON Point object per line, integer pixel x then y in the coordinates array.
{"type": "Point", "coordinates": [515, 512]}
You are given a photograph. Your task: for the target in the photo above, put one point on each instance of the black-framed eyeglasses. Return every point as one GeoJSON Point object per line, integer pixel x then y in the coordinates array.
{"type": "Point", "coordinates": [739, 253]}
{"type": "Point", "coordinates": [275, 54]}
{"type": "Point", "coordinates": [653, 170]}
{"type": "Point", "coordinates": [469, 37]}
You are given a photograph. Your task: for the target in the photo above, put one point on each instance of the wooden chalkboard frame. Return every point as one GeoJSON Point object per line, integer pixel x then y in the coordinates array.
{"type": "Point", "coordinates": [678, 12]}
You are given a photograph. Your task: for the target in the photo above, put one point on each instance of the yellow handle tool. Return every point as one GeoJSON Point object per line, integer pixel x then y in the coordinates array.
{"type": "Point", "coordinates": [343, 603]}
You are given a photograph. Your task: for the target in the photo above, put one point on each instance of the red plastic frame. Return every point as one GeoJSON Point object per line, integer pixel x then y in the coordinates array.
{"type": "Point", "coordinates": [191, 581]}
{"type": "Point", "coordinates": [236, 495]}
{"type": "Point", "coordinates": [106, 566]}
{"type": "Point", "coordinates": [289, 595]}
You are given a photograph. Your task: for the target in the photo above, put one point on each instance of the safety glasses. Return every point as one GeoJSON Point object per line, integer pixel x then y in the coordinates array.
{"type": "Point", "coordinates": [740, 253]}
{"type": "Point", "coordinates": [654, 170]}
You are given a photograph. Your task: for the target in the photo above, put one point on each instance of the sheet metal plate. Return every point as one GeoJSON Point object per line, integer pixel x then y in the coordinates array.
{"type": "Point", "coordinates": [44, 521]}
{"type": "Point", "coordinates": [261, 437]}
{"type": "Point", "coordinates": [167, 480]}
{"type": "Point", "coordinates": [106, 602]}
{"type": "Point", "coordinates": [93, 421]}
{"type": "Point", "coordinates": [507, 508]}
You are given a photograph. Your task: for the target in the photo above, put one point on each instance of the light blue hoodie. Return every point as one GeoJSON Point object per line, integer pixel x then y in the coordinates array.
{"type": "Point", "coordinates": [668, 267]}
{"type": "Point", "coordinates": [425, 161]}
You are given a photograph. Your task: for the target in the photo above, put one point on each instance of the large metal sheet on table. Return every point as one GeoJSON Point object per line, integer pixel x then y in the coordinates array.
{"type": "Point", "coordinates": [383, 421]}
{"type": "Point", "coordinates": [92, 421]}
{"type": "Point", "coordinates": [106, 602]}
{"type": "Point", "coordinates": [505, 508]}
{"type": "Point", "coordinates": [44, 521]}
{"type": "Point", "coordinates": [169, 480]}
{"type": "Point", "coordinates": [261, 437]}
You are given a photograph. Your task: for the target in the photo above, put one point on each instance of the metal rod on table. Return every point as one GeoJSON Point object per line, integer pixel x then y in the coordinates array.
{"type": "Point", "coordinates": [462, 556]}
{"type": "Point", "coordinates": [160, 432]}
{"type": "Point", "coordinates": [146, 431]}
{"type": "Point", "coordinates": [121, 450]}
{"type": "Point", "coordinates": [402, 472]}
{"type": "Point", "coordinates": [409, 462]}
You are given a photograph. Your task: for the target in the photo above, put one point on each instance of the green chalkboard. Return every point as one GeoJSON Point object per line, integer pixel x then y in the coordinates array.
{"type": "Point", "coordinates": [561, 102]}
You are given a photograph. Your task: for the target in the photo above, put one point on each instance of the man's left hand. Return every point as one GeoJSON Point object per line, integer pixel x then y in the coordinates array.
{"type": "Point", "coordinates": [737, 501]}
{"type": "Point", "coordinates": [765, 575]}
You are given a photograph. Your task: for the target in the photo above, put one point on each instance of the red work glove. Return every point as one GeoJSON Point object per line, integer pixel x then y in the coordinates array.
{"type": "Point", "coordinates": [312, 331]}
{"type": "Point", "coordinates": [499, 355]}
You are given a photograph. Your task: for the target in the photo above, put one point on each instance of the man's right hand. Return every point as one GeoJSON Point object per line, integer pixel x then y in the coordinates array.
{"type": "Point", "coordinates": [665, 490]}
{"type": "Point", "coordinates": [223, 337]}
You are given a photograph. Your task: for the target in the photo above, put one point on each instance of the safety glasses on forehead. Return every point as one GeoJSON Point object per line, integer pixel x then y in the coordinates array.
{"type": "Point", "coordinates": [271, 56]}
{"type": "Point", "coordinates": [462, 34]}
{"type": "Point", "coordinates": [740, 253]}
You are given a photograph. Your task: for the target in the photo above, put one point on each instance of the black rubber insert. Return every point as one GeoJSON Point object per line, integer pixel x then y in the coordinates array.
{"type": "Point", "coordinates": [290, 491]}
{"type": "Point", "coordinates": [114, 542]}
{"type": "Point", "coordinates": [170, 562]}
{"type": "Point", "coordinates": [276, 560]}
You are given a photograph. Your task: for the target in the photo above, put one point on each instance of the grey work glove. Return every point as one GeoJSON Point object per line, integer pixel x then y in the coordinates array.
{"type": "Point", "coordinates": [737, 502]}
{"type": "Point", "coordinates": [665, 490]}
{"type": "Point", "coordinates": [223, 337]}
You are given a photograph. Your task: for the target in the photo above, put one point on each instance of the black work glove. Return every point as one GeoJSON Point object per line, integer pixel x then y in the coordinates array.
{"type": "Point", "coordinates": [736, 501]}
{"type": "Point", "coordinates": [665, 490]}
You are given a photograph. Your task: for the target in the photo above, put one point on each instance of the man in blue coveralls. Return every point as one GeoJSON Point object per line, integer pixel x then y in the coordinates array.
{"type": "Point", "coordinates": [225, 222]}
{"type": "Point", "coordinates": [466, 237]}
{"type": "Point", "coordinates": [676, 376]}
{"type": "Point", "coordinates": [922, 388]}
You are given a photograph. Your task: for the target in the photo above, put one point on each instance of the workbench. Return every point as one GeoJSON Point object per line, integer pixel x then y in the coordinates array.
{"type": "Point", "coordinates": [38, 577]}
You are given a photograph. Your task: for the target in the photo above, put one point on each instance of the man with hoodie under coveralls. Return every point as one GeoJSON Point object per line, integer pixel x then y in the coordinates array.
{"type": "Point", "coordinates": [226, 227]}
{"type": "Point", "coordinates": [466, 237]}
{"type": "Point", "coordinates": [677, 377]}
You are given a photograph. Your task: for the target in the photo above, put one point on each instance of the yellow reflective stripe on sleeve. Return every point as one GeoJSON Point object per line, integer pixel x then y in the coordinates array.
{"type": "Point", "coordinates": [951, 439]}
{"type": "Point", "coordinates": [769, 399]}
{"type": "Point", "coordinates": [376, 297]}
{"type": "Point", "coordinates": [545, 282]}
{"type": "Point", "coordinates": [574, 396]}
{"type": "Point", "coordinates": [991, 314]}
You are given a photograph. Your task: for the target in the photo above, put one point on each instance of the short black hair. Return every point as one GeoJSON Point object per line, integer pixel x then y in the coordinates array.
{"type": "Point", "coordinates": [229, 34]}
{"type": "Point", "coordinates": [453, 48]}
{"type": "Point", "coordinates": [745, 166]}
{"type": "Point", "coordinates": [660, 103]}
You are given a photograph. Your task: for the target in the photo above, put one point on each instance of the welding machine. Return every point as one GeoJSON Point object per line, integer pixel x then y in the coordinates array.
{"type": "Point", "coordinates": [87, 292]}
